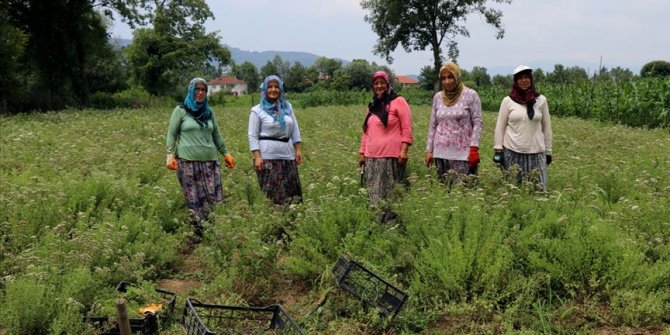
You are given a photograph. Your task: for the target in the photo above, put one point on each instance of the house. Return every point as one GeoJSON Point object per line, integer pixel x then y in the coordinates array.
{"type": "Point", "coordinates": [227, 84]}
{"type": "Point", "coordinates": [406, 81]}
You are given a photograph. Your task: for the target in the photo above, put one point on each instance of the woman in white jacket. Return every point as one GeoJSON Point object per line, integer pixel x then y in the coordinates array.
{"type": "Point", "coordinates": [274, 140]}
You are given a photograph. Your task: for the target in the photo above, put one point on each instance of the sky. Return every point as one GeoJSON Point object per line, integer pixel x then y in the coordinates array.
{"type": "Point", "coordinates": [538, 33]}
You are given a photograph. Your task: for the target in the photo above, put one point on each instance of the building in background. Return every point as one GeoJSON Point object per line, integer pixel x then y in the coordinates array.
{"type": "Point", "coordinates": [406, 81]}
{"type": "Point", "coordinates": [227, 84]}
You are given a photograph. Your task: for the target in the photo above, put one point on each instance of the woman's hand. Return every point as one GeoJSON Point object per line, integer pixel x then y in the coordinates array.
{"type": "Point", "coordinates": [298, 153]}
{"type": "Point", "coordinates": [230, 161]}
{"type": "Point", "coordinates": [258, 161]}
{"type": "Point", "coordinates": [428, 158]}
{"type": "Point", "coordinates": [473, 156]}
{"type": "Point", "coordinates": [171, 162]}
{"type": "Point", "coordinates": [361, 160]}
{"type": "Point", "coordinates": [258, 164]}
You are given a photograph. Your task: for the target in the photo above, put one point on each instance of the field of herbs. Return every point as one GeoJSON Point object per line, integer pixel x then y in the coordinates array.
{"type": "Point", "coordinates": [85, 203]}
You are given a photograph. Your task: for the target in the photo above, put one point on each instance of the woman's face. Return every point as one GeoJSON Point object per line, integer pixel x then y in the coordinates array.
{"type": "Point", "coordinates": [524, 81]}
{"type": "Point", "coordinates": [200, 92]}
{"type": "Point", "coordinates": [379, 86]}
{"type": "Point", "coordinates": [448, 81]}
{"type": "Point", "coordinates": [273, 90]}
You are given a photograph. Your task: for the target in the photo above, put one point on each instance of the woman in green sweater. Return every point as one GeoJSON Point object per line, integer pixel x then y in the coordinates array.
{"type": "Point", "coordinates": [193, 144]}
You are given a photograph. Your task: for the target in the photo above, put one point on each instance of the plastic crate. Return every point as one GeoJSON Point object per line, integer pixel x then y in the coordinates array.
{"type": "Point", "coordinates": [207, 319]}
{"type": "Point", "coordinates": [145, 325]}
{"type": "Point", "coordinates": [368, 287]}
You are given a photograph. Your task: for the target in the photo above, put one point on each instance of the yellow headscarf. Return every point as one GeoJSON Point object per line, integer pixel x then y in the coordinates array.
{"type": "Point", "coordinates": [450, 97]}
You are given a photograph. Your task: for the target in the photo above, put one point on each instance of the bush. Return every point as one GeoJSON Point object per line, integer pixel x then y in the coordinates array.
{"type": "Point", "coordinates": [657, 68]}
{"type": "Point", "coordinates": [130, 98]}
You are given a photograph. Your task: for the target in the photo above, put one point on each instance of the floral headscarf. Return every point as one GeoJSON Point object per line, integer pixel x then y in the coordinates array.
{"type": "Point", "coordinates": [450, 97]}
{"type": "Point", "coordinates": [278, 108]}
{"type": "Point", "coordinates": [199, 111]}
{"type": "Point", "coordinates": [379, 105]}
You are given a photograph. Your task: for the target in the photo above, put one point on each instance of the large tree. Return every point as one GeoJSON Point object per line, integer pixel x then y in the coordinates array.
{"type": "Point", "coordinates": [12, 46]}
{"type": "Point", "coordinates": [64, 39]}
{"type": "Point", "coordinates": [418, 24]}
{"type": "Point", "coordinates": [163, 58]}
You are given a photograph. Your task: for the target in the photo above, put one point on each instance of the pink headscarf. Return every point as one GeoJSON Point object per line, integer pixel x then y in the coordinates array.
{"type": "Point", "coordinates": [385, 76]}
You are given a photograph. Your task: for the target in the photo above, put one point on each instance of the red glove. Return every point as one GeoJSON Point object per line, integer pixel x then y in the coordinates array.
{"type": "Point", "coordinates": [473, 157]}
{"type": "Point", "coordinates": [171, 162]}
{"type": "Point", "coordinates": [230, 161]}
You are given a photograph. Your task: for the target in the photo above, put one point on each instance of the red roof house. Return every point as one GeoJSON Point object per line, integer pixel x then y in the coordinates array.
{"type": "Point", "coordinates": [405, 81]}
{"type": "Point", "coordinates": [227, 84]}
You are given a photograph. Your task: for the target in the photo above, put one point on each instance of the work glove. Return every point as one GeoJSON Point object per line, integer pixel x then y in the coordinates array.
{"type": "Point", "coordinates": [171, 162]}
{"type": "Point", "coordinates": [498, 157]}
{"type": "Point", "coordinates": [549, 160]}
{"type": "Point", "coordinates": [230, 161]}
{"type": "Point", "coordinates": [473, 156]}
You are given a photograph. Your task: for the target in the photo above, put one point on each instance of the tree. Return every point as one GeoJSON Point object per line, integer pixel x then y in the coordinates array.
{"type": "Point", "coordinates": [12, 47]}
{"type": "Point", "coordinates": [65, 44]}
{"type": "Point", "coordinates": [657, 68]}
{"type": "Point", "coordinates": [281, 66]}
{"type": "Point", "coordinates": [428, 77]}
{"type": "Point", "coordinates": [418, 24]}
{"type": "Point", "coordinates": [163, 58]}
{"type": "Point", "coordinates": [480, 76]}
{"type": "Point", "coordinates": [296, 79]}
{"type": "Point", "coordinates": [538, 75]}
{"type": "Point", "coordinates": [577, 74]}
{"type": "Point", "coordinates": [269, 69]}
{"type": "Point", "coordinates": [619, 73]}
{"type": "Point", "coordinates": [559, 75]}
{"type": "Point", "coordinates": [358, 73]}
{"type": "Point", "coordinates": [327, 66]}
{"type": "Point", "coordinates": [248, 72]}
{"type": "Point", "coordinates": [503, 81]}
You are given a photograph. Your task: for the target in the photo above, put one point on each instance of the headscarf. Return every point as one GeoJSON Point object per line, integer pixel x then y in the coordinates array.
{"type": "Point", "coordinates": [450, 97]}
{"type": "Point", "coordinates": [527, 97]}
{"type": "Point", "coordinates": [278, 108]}
{"type": "Point", "coordinates": [198, 111]}
{"type": "Point", "coordinates": [379, 105]}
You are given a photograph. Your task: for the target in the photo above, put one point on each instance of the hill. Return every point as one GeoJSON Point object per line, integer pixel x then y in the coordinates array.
{"type": "Point", "coordinates": [260, 58]}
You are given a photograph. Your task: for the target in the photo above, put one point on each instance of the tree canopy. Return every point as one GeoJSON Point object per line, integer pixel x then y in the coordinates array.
{"type": "Point", "coordinates": [56, 53]}
{"type": "Point", "coordinates": [418, 24]}
{"type": "Point", "coordinates": [657, 68]}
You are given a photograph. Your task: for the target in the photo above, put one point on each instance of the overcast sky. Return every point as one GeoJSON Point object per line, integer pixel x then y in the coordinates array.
{"type": "Point", "coordinates": [538, 33]}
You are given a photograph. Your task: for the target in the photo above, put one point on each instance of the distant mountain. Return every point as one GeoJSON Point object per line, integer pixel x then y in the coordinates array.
{"type": "Point", "coordinates": [260, 58]}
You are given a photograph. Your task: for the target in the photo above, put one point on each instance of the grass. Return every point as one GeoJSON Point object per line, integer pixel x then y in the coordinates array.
{"type": "Point", "coordinates": [85, 202]}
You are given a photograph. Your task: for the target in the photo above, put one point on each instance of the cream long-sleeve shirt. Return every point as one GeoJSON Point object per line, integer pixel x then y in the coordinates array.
{"type": "Point", "coordinates": [516, 132]}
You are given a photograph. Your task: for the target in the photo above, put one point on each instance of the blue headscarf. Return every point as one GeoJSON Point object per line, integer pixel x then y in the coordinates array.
{"type": "Point", "coordinates": [199, 111]}
{"type": "Point", "coordinates": [279, 108]}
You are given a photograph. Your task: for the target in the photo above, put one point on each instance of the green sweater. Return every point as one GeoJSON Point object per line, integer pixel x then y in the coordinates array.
{"type": "Point", "coordinates": [187, 140]}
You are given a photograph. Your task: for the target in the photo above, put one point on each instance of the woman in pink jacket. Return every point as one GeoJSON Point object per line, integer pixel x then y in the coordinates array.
{"type": "Point", "coordinates": [387, 135]}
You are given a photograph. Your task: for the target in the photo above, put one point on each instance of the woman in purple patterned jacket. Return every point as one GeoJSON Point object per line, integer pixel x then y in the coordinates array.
{"type": "Point", "coordinates": [455, 127]}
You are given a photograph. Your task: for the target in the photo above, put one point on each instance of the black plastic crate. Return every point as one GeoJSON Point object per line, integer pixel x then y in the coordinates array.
{"type": "Point", "coordinates": [147, 324]}
{"type": "Point", "coordinates": [368, 287]}
{"type": "Point", "coordinates": [207, 319]}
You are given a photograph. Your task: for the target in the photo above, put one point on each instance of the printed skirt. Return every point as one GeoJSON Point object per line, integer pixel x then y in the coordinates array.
{"type": "Point", "coordinates": [279, 181]}
{"type": "Point", "coordinates": [529, 167]}
{"type": "Point", "coordinates": [381, 175]}
{"type": "Point", "coordinates": [201, 183]}
{"type": "Point", "coordinates": [449, 171]}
